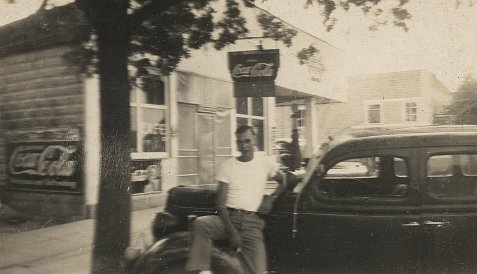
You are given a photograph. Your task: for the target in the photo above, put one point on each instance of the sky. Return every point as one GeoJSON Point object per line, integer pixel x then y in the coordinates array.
{"type": "Point", "coordinates": [441, 38]}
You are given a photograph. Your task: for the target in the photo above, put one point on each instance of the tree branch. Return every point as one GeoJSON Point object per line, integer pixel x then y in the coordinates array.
{"type": "Point", "coordinates": [148, 10]}
{"type": "Point", "coordinates": [43, 5]}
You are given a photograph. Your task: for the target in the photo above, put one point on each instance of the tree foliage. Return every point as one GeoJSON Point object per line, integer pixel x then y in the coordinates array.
{"type": "Point", "coordinates": [464, 102]}
{"type": "Point", "coordinates": [162, 35]}
{"type": "Point", "coordinates": [164, 32]}
{"type": "Point", "coordinates": [397, 15]}
{"type": "Point", "coordinates": [306, 53]}
{"type": "Point", "coordinates": [161, 39]}
{"type": "Point", "coordinates": [276, 29]}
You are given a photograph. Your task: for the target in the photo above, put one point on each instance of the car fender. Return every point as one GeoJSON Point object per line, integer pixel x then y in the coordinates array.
{"type": "Point", "coordinates": [175, 249]}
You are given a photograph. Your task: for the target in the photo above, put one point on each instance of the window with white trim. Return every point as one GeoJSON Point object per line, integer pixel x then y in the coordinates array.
{"type": "Point", "coordinates": [410, 111]}
{"type": "Point", "coordinates": [148, 119]}
{"type": "Point", "coordinates": [250, 111]}
{"type": "Point", "coordinates": [300, 120]}
{"type": "Point", "coordinates": [374, 114]}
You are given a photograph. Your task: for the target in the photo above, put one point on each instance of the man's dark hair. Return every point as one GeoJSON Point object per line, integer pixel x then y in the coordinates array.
{"type": "Point", "coordinates": [244, 128]}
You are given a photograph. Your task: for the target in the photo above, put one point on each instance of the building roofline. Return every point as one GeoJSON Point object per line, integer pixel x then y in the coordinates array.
{"type": "Point", "coordinates": [297, 28]}
{"type": "Point", "coordinates": [57, 26]}
{"type": "Point", "coordinates": [389, 72]}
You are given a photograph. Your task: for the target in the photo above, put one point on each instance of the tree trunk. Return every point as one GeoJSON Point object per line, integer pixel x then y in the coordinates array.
{"type": "Point", "coordinates": [114, 206]}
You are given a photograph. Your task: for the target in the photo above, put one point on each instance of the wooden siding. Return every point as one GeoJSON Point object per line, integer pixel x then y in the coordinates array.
{"type": "Point", "coordinates": [385, 86]}
{"type": "Point", "coordinates": [391, 90]}
{"type": "Point", "coordinates": [56, 207]}
{"type": "Point", "coordinates": [393, 112]}
{"type": "Point", "coordinates": [38, 90]}
{"type": "Point", "coordinates": [3, 151]}
{"type": "Point", "coordinates": [283, 121]}
{"type": "Point", "coordinates": [334, 119]}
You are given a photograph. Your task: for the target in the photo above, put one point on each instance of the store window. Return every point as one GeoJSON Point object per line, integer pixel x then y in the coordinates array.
{"type": "Point", "coordinates": [148, 120]}
{"type": "Point", "coordinates": [374, 114]}
{"type": "Point", "coordinates": [250, 111]}
{"type": "Point", "coordinates": [145, 176]}
{"type": "Point", "coordinates": [411, 112]}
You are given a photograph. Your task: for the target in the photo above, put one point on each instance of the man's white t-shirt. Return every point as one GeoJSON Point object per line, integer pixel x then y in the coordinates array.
{"type": "Point", "coordinates": [246, 181]}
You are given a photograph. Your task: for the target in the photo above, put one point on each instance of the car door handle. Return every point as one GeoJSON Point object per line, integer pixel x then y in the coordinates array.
{"type": "Point", "coordinates": [434, 223]}
{"type": "Point", "coordinates": [411, 224]}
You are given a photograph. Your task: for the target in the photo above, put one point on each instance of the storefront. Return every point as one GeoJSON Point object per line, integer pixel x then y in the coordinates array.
{"type": "Point", "coordinates": [181, 125]}
{"type": "Point", "coordinates": [206, 116]}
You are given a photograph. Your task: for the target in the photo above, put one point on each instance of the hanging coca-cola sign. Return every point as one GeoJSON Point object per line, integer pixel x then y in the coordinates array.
{"type": "Point", "coordinates": [254, 72]}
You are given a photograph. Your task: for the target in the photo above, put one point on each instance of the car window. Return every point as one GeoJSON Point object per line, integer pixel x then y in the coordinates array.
{"type": "Point", "coordinates": [363, 167]}
{"type": "Point", "coordinates": [439, 166]}
{"type": "Point", "coordinates": [400, 167]}
{"type": "Point", "coordinates": [452, 175]}
{"type": "Point", "coordinates": [374, 176]}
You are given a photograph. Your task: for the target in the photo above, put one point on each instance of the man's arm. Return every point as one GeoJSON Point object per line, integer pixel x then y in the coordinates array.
{"type": "Point", "coordinates": [284, 181]}
{"type": "Point", "coordinates": [232, 233]}
{"type": "Point", "coordinates": [282, 184]}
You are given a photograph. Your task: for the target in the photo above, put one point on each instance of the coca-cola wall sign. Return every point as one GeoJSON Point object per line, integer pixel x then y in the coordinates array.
{"type": "Point", "coordinates": [254, 72]}
{"type": "Point", "coordinates": [47, 159]}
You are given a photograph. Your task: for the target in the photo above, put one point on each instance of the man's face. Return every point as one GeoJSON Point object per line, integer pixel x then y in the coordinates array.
{"type": "Point", "coordinates": [246, 142]}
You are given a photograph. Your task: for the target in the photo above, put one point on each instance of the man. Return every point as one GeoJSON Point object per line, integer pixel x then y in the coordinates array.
{"type": "Point", "coordinates": [240, 200]}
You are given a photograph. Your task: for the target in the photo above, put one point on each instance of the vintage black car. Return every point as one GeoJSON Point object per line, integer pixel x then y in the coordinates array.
{"type": "Point", "coordinates": [386, 201]}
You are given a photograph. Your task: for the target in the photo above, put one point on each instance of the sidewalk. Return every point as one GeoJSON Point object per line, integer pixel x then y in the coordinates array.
{"type": "Point", "coordinates": [63, 248]}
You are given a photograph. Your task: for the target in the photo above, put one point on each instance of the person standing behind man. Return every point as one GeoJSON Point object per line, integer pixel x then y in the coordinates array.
{"type": "Point", "coordinates": [240, 200]}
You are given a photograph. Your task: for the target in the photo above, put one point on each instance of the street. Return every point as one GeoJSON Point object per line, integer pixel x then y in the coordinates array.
{"type": "Point", "coordinates": [62, 248]}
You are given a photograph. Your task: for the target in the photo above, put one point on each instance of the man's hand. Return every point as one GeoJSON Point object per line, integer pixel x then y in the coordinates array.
{"type": "Point", "coordinates": [267, 204]}
{"type": "Point", "coordinates": [292, 179]}
{"type": "Point", "coordinates": [235, 240]}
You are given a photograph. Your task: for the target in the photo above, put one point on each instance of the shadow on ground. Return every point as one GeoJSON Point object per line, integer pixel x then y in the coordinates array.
{"type": "Point", "coordinates": [13, 222]}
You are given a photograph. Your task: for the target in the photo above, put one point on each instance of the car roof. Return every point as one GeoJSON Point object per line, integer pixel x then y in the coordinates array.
{"type": "Point", "coordinates": [404, 137]}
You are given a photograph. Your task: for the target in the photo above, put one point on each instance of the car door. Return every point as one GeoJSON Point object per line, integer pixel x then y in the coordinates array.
{"type": "Point", "coordinates": [280, 244]}
{"type": "Point", "coordinates": [349, 218]}
{"type": "Point", "coordinates": [449, 208]}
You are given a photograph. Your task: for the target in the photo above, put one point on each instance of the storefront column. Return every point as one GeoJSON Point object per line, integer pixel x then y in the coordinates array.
{"type": "Point", "coordinates": [270, 124]}
{"type": "Point", "coordinates": [233, 127]}
{"type": "Point", "coordinates": [311, 127]}
{"type": "Point", "coordinates": [169, 165]}
{"type": "Point", "coordinates": [92, 145]}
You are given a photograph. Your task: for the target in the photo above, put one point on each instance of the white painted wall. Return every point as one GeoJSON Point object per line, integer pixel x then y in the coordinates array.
{"type": "Point", "coordinates": [92, 141]}
{"type": "Point", "coordinates": [291, 75]}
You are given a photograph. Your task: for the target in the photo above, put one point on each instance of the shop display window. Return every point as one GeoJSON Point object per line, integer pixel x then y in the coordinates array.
{"type": "Point", "coordinates": [149, 114]}
{"type": "Point", "coordinates": [145, 176]}
{"type": "Point", "coordinates": [250, 111]}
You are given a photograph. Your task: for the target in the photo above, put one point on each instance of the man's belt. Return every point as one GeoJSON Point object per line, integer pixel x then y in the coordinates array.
{"type": "Point", "coordinates": [240, 211]}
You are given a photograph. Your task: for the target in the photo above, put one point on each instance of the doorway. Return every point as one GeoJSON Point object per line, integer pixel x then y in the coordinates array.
{"type": "Point", "coordinates": [205, 141]}
{"type": "Point", "coordinates": [205, 146]}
